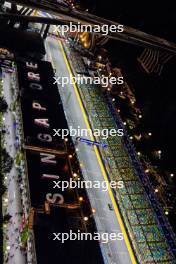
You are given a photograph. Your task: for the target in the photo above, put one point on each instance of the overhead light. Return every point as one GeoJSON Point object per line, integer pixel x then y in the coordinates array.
{"type": "Point", "coordinates": [140, 116]}
{"type": "Point", "coordinates": [139, 153]}
{"type": "Point", "coordinates": [147, 170]}
{"type": "Point", "coordinates": [156, 190]}
{"type": "Point", "coordinates": [150, 134]}
{"type": "Point", "coordinates": [86, 218]}
{"type": "Point", "coordinates": [172, 175]}
{"type": "Point", "coordinates": [113, 99]}
{"type": "Point", "coordinates": [70, 156]}
{"type": "Point", "coordinates": [66, 139]}
{"type": "Point", "coordinates": [81, 199]}
{"type": "Point", "coordinates": [93, 210]}
{"type": "Point", "coordinates": [166, 212]}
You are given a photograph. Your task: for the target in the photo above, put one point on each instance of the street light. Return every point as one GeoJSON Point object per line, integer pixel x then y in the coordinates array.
{"type": "Point", "coordinates": [159, 154]}
{"type": "Point", "coordinates": [93, 210]}
{"type": "Point", "coordinates": [8, 247]}
{"type": "Point", "coordinates": [80, 198]}
{"type": "Point", "coordinates": [99, 57]}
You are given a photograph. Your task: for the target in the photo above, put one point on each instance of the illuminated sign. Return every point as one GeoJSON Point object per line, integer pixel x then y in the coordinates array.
{"type": "Point", "coordinates": [39, 100]}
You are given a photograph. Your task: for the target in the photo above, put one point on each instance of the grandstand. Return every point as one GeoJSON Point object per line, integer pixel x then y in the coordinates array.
{"type": "Point", "coordinates": [149, 231]}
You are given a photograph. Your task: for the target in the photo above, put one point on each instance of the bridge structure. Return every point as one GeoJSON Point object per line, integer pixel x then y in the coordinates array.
{"type": "Point", "coordinates": [67, 14]}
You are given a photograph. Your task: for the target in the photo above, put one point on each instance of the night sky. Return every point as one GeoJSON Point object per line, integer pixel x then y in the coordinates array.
{"type": "Point", "coordinates": [153, 18]}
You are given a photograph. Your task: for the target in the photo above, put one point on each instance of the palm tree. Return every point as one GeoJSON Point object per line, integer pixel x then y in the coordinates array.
{"type": "Point", "coordinates": [3, 105]}
{"type": "Point", "coordinates": [6, 161]}
{"type": "Point", "coordinates": [3, 189]}
{"type": "Point", "coordinates": [6, 218]}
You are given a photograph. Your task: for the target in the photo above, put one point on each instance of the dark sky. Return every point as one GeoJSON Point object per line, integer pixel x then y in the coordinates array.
{"type": "Point", "coordinates": [153, 18]}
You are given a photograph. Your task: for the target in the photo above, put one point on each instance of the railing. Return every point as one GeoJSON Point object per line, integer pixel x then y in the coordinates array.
{"type": "Point", "coordinates": [162, 220]}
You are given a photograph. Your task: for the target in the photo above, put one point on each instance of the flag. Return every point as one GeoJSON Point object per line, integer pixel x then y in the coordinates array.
{"type": "Point", "coordinates": [153, 60]}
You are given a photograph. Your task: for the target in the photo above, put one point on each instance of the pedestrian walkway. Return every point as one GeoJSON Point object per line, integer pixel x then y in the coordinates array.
{"type": "Point", "coordinates": [14, 208]}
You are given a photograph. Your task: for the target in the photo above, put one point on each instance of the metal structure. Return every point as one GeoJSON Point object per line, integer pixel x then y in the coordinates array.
{"type": "Point", "coordinates": [68, 14]}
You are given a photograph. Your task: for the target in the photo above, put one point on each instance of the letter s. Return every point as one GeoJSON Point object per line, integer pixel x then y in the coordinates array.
{"type": "Point", "coordinates": [53, 199]}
